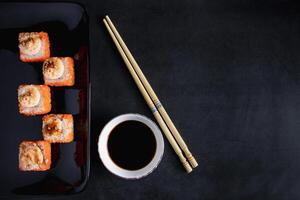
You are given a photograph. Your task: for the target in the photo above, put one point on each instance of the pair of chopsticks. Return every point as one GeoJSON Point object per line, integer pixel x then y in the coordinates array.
{"type": "Point", "coordinates": [152, 100]}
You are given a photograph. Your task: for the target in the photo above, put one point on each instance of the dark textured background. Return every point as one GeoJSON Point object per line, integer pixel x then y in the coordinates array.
{"type": "Point", "coordinates": [227, 72]}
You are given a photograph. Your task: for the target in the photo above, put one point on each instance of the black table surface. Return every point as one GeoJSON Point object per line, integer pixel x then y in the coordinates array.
{"type": "Point", "coordinates": [227, 71]}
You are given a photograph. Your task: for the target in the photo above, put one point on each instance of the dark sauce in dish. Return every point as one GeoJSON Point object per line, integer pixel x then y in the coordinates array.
{"type": "Point", "coordinates": [131, 145]}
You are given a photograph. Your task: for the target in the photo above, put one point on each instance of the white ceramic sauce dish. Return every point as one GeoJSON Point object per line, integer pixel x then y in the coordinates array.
{"type": "Point", "coordinates": [109, 163]}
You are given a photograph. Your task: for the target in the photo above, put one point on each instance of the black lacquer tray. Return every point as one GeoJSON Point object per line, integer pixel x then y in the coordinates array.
{"type": "Point", "coordinates": [67, 26]}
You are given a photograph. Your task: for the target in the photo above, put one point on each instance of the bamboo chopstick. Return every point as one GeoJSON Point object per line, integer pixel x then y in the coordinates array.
{"type": "Point", "coordinates": [153, 96]}
{"type": "Point", "coordinates": [149, 102]}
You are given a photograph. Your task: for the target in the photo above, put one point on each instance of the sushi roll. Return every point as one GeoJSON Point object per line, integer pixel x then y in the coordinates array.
{"type": "Point", "coordinates": [34, 156]}
{"type": "Point", "coordinates": [34, 46]}
{"type": "Point", "coordinates": [58, 128]}
{"type": "Point", "coordinates": [34, 99]}
{"type": "Point", "coordinates": [59, 71]}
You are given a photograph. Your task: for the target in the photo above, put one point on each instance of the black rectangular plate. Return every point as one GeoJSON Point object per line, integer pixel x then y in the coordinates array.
{"type": "Point", "coordinates": [67, 26]}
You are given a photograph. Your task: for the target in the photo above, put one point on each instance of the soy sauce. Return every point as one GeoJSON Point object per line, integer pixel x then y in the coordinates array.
{"type": "Point", "coordinates": [131, 145]}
